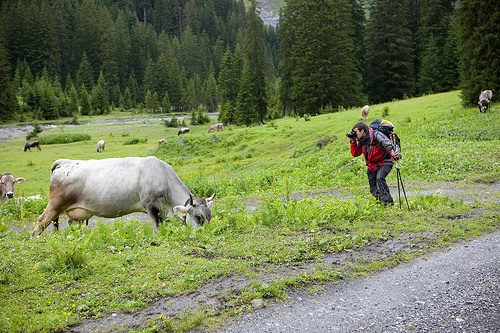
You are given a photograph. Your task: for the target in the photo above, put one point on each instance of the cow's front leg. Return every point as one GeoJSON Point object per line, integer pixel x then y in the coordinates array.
{"type": "Point", "coordinates": [154, 213]}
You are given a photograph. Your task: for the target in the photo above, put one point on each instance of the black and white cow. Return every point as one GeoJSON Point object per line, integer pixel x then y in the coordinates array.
{"type": "Point", "coordinates": [116, 187]}
{"type": "Point", "coordinates": [183, 130]}
{"type": "Point", "coordinates": [485, 100]}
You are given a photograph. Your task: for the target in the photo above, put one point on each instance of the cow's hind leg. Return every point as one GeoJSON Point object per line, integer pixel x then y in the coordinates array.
{"type": "Point", "coordinates": [49, 214]}
{"type": "Point", "coordinates": [56, 224]}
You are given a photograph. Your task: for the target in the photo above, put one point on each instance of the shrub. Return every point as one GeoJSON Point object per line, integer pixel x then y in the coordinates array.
{"type": "Point", "coordinates": [385, 111]}
{"type": "Point", "coordinates": [34, 133]}
{"type": "Point", "coordinates": [199, 117]}
{"type": "Point", "coordinates": [135, 141]}
{"type": "Point", "coordinates": [64, 138]}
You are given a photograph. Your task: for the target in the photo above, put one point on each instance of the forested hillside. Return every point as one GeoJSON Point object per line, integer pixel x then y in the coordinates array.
{"type": "Point", "coordinates": [64, 58]}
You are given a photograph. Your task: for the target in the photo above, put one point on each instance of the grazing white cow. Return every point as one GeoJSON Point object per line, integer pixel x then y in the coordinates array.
{"type": "Point", "coordinates": [161, 141]}
{"type": "Point", "coordinates": [7, 182]}
{"type": "Point", "coordinates": [100, 146]}
{"type": "Point", "coordinates": [114, 187]}
{"type": "Point", "coordinates": [364, 113]}
{"type": "Point", "coordinates": [485, 100]}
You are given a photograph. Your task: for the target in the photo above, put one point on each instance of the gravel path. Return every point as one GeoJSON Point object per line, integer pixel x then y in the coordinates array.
{"type": "Point", "coordinates": [457, 290]}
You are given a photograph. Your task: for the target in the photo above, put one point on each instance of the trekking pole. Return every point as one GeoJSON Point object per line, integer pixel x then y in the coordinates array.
{"type": "Point", "coordinates": [398, 176]}
{"type": "Point", "coordinates": [400, 180]}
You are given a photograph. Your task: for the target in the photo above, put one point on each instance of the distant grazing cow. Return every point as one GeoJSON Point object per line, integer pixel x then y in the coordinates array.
{"type": "Point", "coordinates": [183, 130]}
{"type": "Point", "coordinates": [7, 182]}
{"type": "Point", "coordinates": [216, 127]}
{"type": "Point", "coordinates": [364, 113]}
{"type": "Point", "coordinates": [115, 187]}
{"type": "Point", "coordinates": [100, 146]}
{"type": "Point", "coordinates": [485, 100]}
{"type": "Point", "coordinates": [32, 144]}
{"type": "Point", "coordinates": [161, 141]}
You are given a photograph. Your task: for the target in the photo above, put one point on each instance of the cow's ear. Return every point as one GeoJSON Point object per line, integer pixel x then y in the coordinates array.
{"type": "Point", "coordinates": [20, 180]}
{"type": "Point", "coordinates": [181, 210]}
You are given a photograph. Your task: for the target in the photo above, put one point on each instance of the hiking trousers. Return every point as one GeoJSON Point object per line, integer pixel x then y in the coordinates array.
{"type": "Point", "coordinates": [378, 184]}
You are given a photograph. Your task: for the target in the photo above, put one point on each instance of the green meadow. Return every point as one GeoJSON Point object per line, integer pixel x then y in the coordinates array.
{"type": "Point", "coordinates": [281, 202]}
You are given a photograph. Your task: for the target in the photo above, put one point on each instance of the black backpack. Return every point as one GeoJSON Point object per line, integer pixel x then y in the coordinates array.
{"type": "Point", "coordinates": [386, 127]}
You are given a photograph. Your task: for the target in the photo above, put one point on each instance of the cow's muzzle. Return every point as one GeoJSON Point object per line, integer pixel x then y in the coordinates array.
{"type": "Point", "coordinates": [10, 195]}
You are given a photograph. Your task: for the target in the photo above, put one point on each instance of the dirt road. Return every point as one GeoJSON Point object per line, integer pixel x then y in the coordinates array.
{"type": "Point", "coordinates": [457, 290]}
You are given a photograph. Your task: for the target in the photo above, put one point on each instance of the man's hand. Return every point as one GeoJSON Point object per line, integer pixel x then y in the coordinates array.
{"type": "Point", "coordinates": [395, 155]}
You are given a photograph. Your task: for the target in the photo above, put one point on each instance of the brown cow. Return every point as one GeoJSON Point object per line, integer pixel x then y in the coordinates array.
{"type": "Point", "coordinates": [32, 144]}
{"type": "Point", "coordinates": [216, 127]}
{"type": "Point", "coordinates": [7, 182]}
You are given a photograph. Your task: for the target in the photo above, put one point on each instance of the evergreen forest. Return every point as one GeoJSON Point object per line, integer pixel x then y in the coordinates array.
{"type": "Point", "coordinates": [65, 58]}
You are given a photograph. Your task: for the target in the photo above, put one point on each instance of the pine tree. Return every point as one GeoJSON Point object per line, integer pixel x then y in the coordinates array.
{"type": "Point", "coordinates": [433, 46]}
{"type": "Point", "coordinates": [108, 52]}
{"type": "Point", "coordinates": [211, 97]}
{"type": "Point", "coordinates": [100, 96]}
{"type": "Point", "coordinates": [72, 95]}
{"type": "Point", "coordinates": [8, 102]}
{"type": "Point", "coordinates": [252, 96]}
{"type": "Point", "coordinates": [86, 105]}
{"type": "Point", "coordinates": [134, 91]}
{"type": "Point", "coordinates": [45, 100]}
{"type": "Point", "coordinates": [123, 47]}
{"type": "Point", "coordinates": [84, 74]}
{"type": "Point", "coordinates": [479, 48]}
{"type": "Point", "coordinates": [318, 64]}
{"type": "Point", "coordinates": [138, 55]}
{"type": "Point", "coordinates": [228, 86]}
{"type": "Point", "coordinates": [161, 75]}
{"type": "Point", "coordinates": [450, 60]}
{"type": "Point", "coordinates": [429, 78]}
{"type": "Point", "coordinates": [85, 38]}
{"type": "Point", "coordinates": [165, 103]}
{"type": "Point", "coordinates": [127, 101]}
{"type": "Point", "coordinates": [389, 52]}
{"type": "Point", "coordinates": [174, 84]}
{"type": "Point", "coordinates": [167, 17]}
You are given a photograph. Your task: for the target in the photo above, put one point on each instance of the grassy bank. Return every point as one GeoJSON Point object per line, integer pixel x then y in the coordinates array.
{"type": "Point", "coordinates": [282, 202]}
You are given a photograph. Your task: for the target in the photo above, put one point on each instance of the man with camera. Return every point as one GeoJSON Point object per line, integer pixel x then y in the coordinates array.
{"type": "Point", "coordinates": [380, 153]}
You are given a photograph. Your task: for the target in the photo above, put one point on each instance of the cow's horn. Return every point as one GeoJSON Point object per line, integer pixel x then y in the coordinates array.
{"type": "Point", "coordinates": [212, 197]}
{"type": "Point", "coordinates": [190, 199]}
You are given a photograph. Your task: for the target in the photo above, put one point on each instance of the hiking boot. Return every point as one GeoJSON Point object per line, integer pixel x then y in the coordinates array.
{"type": "Point", "coordinates": [391, 203]}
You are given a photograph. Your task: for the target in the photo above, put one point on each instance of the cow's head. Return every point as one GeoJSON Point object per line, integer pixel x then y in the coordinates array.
{"type": "Point", "coordinates": [196, 211]}
{"type": "Point", "coordinates": [7, 182]}
{"type": "Point", "coordinates": [483, 105]}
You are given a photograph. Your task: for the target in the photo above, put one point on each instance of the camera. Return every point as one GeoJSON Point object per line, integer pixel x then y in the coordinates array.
{"type": "Point", "coordinates": [351, 135]}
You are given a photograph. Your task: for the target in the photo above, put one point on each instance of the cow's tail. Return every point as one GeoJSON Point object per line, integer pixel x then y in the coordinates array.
{"type": "Point", "coordinates": [56, 165]}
